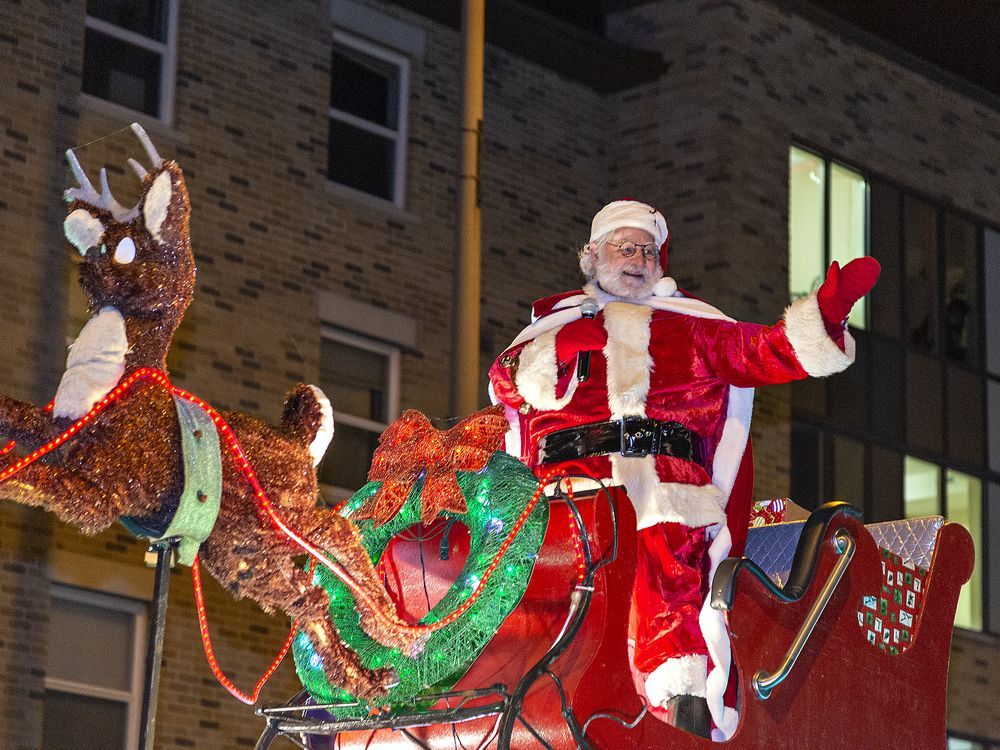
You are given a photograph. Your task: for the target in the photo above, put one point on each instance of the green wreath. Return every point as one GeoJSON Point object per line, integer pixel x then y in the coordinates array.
{"type": "Point", "coordinates": [496, 497]}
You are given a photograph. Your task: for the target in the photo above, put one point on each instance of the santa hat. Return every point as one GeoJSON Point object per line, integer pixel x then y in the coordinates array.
{"type": "Point", "coordinates": [633, 214]}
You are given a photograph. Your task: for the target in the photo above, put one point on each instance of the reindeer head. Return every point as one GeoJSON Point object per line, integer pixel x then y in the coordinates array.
{"type": "Point", "coordinates": [137, 259]}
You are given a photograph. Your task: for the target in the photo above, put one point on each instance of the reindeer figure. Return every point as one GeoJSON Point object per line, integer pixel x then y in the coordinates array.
{"type": "Point", "coordinates": [138, 274]}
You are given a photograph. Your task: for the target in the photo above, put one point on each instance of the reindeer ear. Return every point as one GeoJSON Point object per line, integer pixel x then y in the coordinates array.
{"type": "Point", "coordinates": [156, 203]}
{"type": "Point", "coordinates": [83, 230]}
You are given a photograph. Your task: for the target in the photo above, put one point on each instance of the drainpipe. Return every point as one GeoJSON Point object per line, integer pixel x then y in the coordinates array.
{"type": "Point", "coordinates": [465, 393]}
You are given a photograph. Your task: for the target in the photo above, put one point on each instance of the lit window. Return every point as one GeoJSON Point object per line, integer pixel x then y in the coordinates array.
{"type": "Point", "coordinates": [129, 52]}
{"type": "Point", "coordinates": [921, 488]}
{"type": "Point", "coordinates": [965, 506]}
{"type": "Point", "coordinates": [94, 673]}
{"type": "Point", "coordinates": [827, 221]}
{"type": "Point", "coordinates": [368, 98]}
{"type": "Point", "coordinates": [962, 503]}
{"type": "Point", "coordinates": [360, 376]}
{"type": "Point", "coordinates": [956, 743]}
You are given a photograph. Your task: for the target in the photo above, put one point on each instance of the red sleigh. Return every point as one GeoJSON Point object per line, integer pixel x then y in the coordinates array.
{"type": "Point", "coordinates": [822, 658]}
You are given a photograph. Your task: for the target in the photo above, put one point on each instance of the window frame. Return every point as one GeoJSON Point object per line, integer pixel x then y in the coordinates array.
{"type": "Point", "coordinates": [168, 68]}
{"type": "Point", "coordinates": [393, 355]}
{"type": "Point", "coordinates": [828, 164]}
{"type": "Point", "coordinates": [826, 427]}
{"type": "Point", "coordinates": [398, 136]}
{"type": "Point", "coordinates": [140, 624]}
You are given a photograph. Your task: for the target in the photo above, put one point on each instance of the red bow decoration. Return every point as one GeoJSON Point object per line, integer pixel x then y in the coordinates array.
{"type": "Point", "coordinates": [411, 446]}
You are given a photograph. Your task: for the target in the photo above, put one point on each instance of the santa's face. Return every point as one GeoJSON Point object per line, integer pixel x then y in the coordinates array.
{"type": "Point", "coordinates": [629, 278]}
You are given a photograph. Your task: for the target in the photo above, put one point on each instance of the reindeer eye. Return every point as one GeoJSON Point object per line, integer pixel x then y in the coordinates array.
{"type": "Point", "coordinates": [125, 252]}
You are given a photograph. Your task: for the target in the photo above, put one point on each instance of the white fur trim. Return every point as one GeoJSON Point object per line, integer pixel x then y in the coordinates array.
{"type": "Point", "coordinates": [94, 366]}
{"type": "Point", "coordinates": [727, 726]}
{"type": "Point", "coordinates": [818, 354]}
{"type": "Point", "coordinates": [538, 373]}
{"type": "Point", "coordinates": [156, 203]}
{"type": "Point", "coordinates": [629, 213]}
{"type": "Point", "coordinates": [83, 230]}
{"type": "Point", "coordinates": [665, 287]}
{"type": "Point", "coordinates": [659, 502]}
{"type": "Point", "coordinates": [682, 675]}
{"type": "Point", "coordinates": [512, 438]}
{"type": "Point", "coordinates": [319, 444]}
{"type": "Point", "coordinates": [628, 359]}
{"type": "Point", "coordinates": [716, 635]}
{"type": "Point", "coordinates": [733, 442]}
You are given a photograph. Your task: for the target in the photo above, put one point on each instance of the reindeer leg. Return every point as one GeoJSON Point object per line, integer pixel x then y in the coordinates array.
{"type": "Point", "coordinates": [273, 579]}
{"type": "Point", "coordinates": [29, 425]}
{"type": "Point", "coordinates": [72, 496]}
{"type": "Point", "coordinates": [339, 537]}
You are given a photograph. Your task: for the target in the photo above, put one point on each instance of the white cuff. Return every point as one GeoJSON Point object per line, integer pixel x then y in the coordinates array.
{"type": "Point", "coordinates": [682, 675]}
{"type": "Point", "coordinates": [538, 374]}
{"type": "Point", "coordinates": [818, 354]}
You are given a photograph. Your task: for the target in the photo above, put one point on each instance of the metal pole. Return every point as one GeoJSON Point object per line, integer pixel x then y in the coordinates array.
{"type": "Point", "coordinates": [465, 361]}
{"type": "Point", "coordinates": [164, 551]}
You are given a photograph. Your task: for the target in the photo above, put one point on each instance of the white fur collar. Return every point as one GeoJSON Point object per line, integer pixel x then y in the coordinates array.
{"type": "Point", "coordinates": [94, 366]}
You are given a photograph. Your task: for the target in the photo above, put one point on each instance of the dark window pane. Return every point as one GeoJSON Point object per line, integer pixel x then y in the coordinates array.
{"type": "Point", "coordinates": [920, 242]}
{"type": "Point", "coordinates": [965, 415]}
{"type": "Point", "coordinates": [991, 259]}
{"type": "Point", "coordinates": [993, 430]}
{"type": "Point", "coordinates": [886, 389]}
{"type": "Point", "coordinates": [847, 391]}
{"type": "Point", "coordinates": [121, 73]}
{"type": "Point", "coordinates": [361, 160]}
{"type": "Point", "coordinates": [355, 380]}
{"type": "Point", "coordinates": [887, 485]}
{"type": "Point", "coordinates": [806, 467]}
{"type": "Point", "coordinates": [809, 397]}
{"type": "Point", "coordinates": [348, 458]}
{"type": "Point", "coordinates": [365, 86]}
{"type": "Point", "coordinates": [848, 471]}
{"type": "Point", "coordinates": [961, 290]}
{"type": "Point", "coordinates": [885, 246]}
{"type": "Point", "coordinates": [992, 553]}
{"type": "Point", "coordinates": [924, 401]}
{"type": "Point", "coordinates": [82, 723]}
{"type": "Point", "coordinates": [146, 17]}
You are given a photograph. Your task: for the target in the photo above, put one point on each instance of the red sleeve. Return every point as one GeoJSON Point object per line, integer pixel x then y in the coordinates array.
{"type": "Point", "coordinates": [747, 354]}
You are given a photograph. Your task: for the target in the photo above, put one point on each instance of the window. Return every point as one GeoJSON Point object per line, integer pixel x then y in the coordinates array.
{"type": "Point", "coordinates": [360, 376]}
{"type": "Point", "coordinates": [827, 221]}
{"type": "Point", "coordinates": [926, 380]}
{"type": "Point", "coordinates": [368, 102]}
{"type": "Point", "coordinates": [94, 673]}
{"type": "Point", "coordinates": [962, 497]}
{"type": "Point", "coordinates": [129, 54]}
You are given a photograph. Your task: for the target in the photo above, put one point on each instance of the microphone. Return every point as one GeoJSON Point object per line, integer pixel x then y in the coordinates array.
{"type": "Point", "coordinates": [588, 309]}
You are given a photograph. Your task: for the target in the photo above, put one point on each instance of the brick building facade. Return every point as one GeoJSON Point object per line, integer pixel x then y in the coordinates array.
{"type": "Point", "coordinates": [691, 105]}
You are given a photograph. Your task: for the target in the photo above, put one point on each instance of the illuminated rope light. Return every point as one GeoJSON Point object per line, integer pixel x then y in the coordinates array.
{"type": "Point", "coordinates": [213, 663]}
{"type": "Point", "coordinates": [263, 501]}
{"type": "Point", "coordinates": [581, 567]}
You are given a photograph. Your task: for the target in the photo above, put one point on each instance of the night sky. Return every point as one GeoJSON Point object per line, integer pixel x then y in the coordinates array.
{"type": "Point", "coordinates": [957, 35]}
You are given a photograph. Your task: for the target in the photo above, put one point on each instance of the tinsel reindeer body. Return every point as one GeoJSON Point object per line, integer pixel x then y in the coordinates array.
{"type": "Point", "coordinates": [138, 274]}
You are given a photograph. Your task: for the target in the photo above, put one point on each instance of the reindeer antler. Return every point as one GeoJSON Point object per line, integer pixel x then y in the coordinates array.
{"type": "Point", "coordinates": [86, 192]}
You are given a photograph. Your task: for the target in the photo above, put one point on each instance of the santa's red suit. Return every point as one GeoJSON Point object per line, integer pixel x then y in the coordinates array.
{"type": "Point", "coordinates": [673, 359]}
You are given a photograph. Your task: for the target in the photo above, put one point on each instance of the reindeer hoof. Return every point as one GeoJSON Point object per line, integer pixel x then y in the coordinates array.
{"type": "Point", "coordinates": [390, 679]}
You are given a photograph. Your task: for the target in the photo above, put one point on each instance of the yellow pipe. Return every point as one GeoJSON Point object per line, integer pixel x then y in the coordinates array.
{"type": "Point", "coordinates": [465, 396]}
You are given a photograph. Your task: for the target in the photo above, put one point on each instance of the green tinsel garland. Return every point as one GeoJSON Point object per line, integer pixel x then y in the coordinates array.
{"type": "Point", "coordinates": [496, 496]}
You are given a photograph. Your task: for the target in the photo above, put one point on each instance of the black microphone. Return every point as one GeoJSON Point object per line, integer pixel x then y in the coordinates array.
{"type": "Point", "coordinates": [588, 309]}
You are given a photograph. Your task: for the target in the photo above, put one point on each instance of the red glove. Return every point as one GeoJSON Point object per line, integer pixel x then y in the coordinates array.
{"type": "Point", "coordinates": [842, 288]}
{"type": "Point", "coordinates": [583, 335]}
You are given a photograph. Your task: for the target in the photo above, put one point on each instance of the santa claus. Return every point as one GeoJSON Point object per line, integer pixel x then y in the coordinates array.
{"type": "Point", "coordinates": [635, 383]}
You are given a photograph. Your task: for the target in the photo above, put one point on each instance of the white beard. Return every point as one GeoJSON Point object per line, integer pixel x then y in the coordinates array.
{"type": "Point", "coordinates": [618, 283]}
{"type": "Point", "coordinates": [94, 366]}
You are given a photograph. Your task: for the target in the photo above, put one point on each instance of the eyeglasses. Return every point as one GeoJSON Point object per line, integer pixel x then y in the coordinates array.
{"type": "Point", "coordinates": [628, 248]}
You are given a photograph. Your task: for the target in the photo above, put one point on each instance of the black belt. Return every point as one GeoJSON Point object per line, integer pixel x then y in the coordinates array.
{"type": "Point", "coordinates": [630, 436]}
